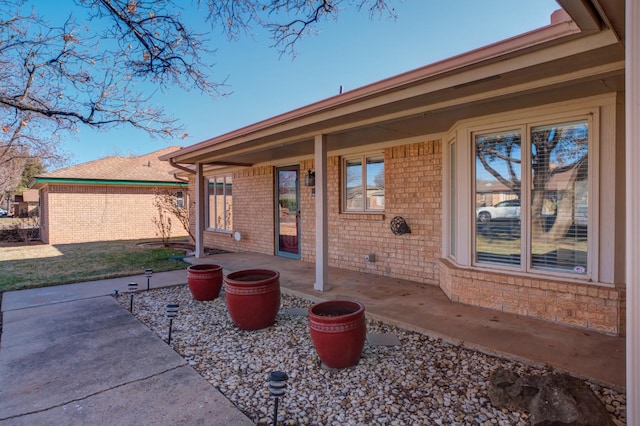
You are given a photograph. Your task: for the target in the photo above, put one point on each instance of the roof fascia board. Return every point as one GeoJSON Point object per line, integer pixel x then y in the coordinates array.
{"type": "Point", "coordinates": [378, 146]}
{"type": "Point", "coordinates": [388, 144]}
{"type": "Point", "coordinates": [612, 13]}
{"type": "Point", "coordinates": [73, 181]}
{"type": "Point", "coordinates": [532, 85]}
{"type": "Point", "coordinates": [583, 14]}
{"type": "Point", "coordinates": [558, 51]}
{"type": "Point", "coordinates": [212, 170]}
{"type": "Point", "coordinates": [550, 81]}
{"type": "Point", "coordinates": [543, 114]}
{"type": "Point", "coordinates": [512, 45]}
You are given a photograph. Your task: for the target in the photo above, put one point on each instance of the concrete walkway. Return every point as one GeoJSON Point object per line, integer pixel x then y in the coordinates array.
{"type": "Point", "coordinates": [71, 355]}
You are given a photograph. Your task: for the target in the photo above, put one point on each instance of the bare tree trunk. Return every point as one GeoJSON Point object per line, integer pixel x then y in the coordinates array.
{"type": "Point", "coordinates": [563, 221]}
{"type": "Point", "coordinates": [564, 216]}
{"type": "Point", "coordinates": [537, 220]}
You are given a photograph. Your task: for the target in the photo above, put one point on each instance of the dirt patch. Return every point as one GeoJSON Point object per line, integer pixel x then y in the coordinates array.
{"type": "Point", "coordinates": [186, 247]}
{"type": "Point", "coordinates": [20, 243]}
{"type": "Point", "coordinates": [27, 251]}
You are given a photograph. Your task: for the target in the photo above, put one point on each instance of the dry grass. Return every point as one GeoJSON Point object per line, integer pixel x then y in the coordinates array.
{"type": "Point", "coordinates": [41, 265]}
{"type": "Point", "coordinates": [9, 222]}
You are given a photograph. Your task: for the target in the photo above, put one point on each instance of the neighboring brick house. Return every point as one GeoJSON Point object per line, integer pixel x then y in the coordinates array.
{"type": "Point", "coordinates": [25, 204]}
{"type": "Point", "coordinates": [539, 115]}
{"type": "Point", "coordinates": [107, 199]}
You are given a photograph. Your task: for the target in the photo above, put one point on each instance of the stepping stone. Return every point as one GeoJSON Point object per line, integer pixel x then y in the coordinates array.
{"type": "Point", "coordinates": [295, 312]}
{"type": "Point", "coordinates": [383, 339]}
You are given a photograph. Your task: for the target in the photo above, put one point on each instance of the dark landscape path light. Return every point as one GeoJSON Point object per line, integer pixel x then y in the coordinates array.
{"type": "Point", "coordinates": [132, 289]}
{"type": "Point", "coordinates": [171, 311]}
{"type": "Point", "coordinates": [148, 273]}
{"type": "Point", "coordinates": [277, 385]}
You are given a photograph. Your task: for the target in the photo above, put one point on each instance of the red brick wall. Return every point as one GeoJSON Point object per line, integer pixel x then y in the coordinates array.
{"type": "Point", "coordinates": [413, 191]}
{"type": "Point", "coordinates": [413, 187]}
{"type": "Point", "coordinates": [582, 305]}
{"type": "Point", "coordinates": [44, 215]}
{"type": "Point", "coordinates": [82, 213]}
{"type": "Point", "coordinates": [253, 213]}
{"type": "Point", "coordinates": [413, 181]}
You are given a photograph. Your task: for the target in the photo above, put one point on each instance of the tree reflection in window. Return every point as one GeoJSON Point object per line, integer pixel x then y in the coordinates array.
{"type": "Point", "coordinates": [558, 200]}
{"type": "Point", "coordinates": [220, 203]}
{"type": "Point", "coordinates": [559, 196]}
{"type": "Point", "coordinates": [498, 178]}
{"type": "Point", "coordinates": [363, 187]}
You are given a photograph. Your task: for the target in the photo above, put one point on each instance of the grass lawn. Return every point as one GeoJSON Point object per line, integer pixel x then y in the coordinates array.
{"type": "Point", "coordinates": [40, 265]}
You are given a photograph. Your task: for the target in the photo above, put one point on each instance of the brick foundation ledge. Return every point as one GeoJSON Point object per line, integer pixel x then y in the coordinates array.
{"type": "Point", "coordinates": [589, 306]}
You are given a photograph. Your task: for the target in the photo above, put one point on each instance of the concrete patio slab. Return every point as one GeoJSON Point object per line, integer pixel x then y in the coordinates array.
{"type": "Point", "coordinates": [75, 362]}
{"type": "Point", "coordinates": [63, 293]}
{"type": "Point", "coordinates": [178, 396]}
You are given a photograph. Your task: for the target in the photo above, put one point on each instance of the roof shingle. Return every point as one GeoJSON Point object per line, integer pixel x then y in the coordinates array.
{"type": "Point", "coordinates": [145, 167]}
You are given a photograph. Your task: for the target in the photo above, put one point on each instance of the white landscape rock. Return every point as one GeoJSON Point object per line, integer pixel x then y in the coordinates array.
{"type": "Point", "coordinates": [421, 381]}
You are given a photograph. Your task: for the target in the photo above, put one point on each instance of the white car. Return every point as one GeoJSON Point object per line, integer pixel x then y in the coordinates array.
{"type": "Point", "coordinates": [3, 212]}
{"type": "Point", "coordinates": [508, 209]}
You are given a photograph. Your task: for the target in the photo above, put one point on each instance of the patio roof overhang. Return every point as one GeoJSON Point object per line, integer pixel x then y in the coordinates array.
{"type": "Point", "coordinates": [555, 63]}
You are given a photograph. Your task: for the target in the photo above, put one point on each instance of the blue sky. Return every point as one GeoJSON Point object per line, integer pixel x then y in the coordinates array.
{"type": "Point", "coordinates": [353, 51]}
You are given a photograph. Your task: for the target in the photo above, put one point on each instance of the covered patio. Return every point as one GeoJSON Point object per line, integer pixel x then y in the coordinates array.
{"type": "Point", "coordinates": [425, 122]}
{"type": "Point", "coordinates": [426, 309]}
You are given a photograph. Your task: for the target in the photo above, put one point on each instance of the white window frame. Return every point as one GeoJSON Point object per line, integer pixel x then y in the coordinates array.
{"type": "Point", "coordinates": [209, 225]}
{"type": "Point", "coordinates": [465, 188]}
{"type": "Point", "coordinates": [343, 193]}
{"type": "Point", "coordinates": [525, 128]}
{"type": "Point", "coordinates": [451, 199]}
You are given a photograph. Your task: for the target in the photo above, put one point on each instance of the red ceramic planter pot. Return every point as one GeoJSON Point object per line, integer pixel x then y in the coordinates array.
{"type": "Point", "coordinates": [253, 297]}
{"type": "Point", "coordinates": [338, 330]}
{"type": "Point", "coordinates": [205, 281]}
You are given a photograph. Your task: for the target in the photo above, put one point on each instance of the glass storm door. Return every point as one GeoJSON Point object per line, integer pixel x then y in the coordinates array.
{"type": "Point", "coordinates": [287, 211]}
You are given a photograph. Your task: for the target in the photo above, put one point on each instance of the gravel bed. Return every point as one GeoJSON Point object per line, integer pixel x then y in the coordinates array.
{"type": "Point", "coordinates": [422, 381]}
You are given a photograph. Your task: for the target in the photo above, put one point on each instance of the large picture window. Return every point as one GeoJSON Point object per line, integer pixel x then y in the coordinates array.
{"type": "Point", "coordinates": [531, 197]}
{"type": "Point", "coordinates": [220, 203]}
{"type": "Point", "coordinates": [363, 184]}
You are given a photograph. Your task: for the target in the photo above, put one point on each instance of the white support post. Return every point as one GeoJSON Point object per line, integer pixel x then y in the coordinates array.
{"type": "Point", "coordinates": [322, 222]}
{"type": "Point", "coordinates": [200, 197]}
{"type": "Point", "coordinates": [632, 108]}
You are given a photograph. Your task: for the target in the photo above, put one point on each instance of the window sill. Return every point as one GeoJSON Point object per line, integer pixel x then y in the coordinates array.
{"type": "Point", "coordinates": [219, 231]}
{"type": "Point", "coordinates": [361, 216]}
{"type": "Point", "coordinates": [531, 275]}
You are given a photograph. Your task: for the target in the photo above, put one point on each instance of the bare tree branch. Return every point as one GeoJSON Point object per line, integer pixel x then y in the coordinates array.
{"type": "Point", "coordinates": [101, 67]}
{"type": "Point", "coordinates": [287, 20]}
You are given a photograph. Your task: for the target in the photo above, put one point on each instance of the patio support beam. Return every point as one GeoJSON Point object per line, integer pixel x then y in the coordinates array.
{"type": "Point", "coordinates": [200, 189]}
{"type": "Point", "coordinates": [322, 221]}
{"type": "Point", "coordinates": [632, 107]}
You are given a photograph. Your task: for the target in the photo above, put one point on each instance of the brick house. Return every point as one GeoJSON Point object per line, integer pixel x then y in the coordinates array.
{"type": "Point", "coordinates": [550, 115]}
{"type": "Point", "coordinates": [25, 204]}
{"type": "Point", "coordinates": [107, 199]}
{"type": "Point", "coordinates": [424, 146]}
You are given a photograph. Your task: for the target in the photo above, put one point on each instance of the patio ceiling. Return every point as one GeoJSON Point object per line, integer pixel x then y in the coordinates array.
{"type": "Point", "coordinates": [555, 63]}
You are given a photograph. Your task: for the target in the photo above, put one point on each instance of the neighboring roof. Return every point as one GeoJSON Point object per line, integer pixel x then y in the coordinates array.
{"type": "Point", "coordinates": [114, 169]}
